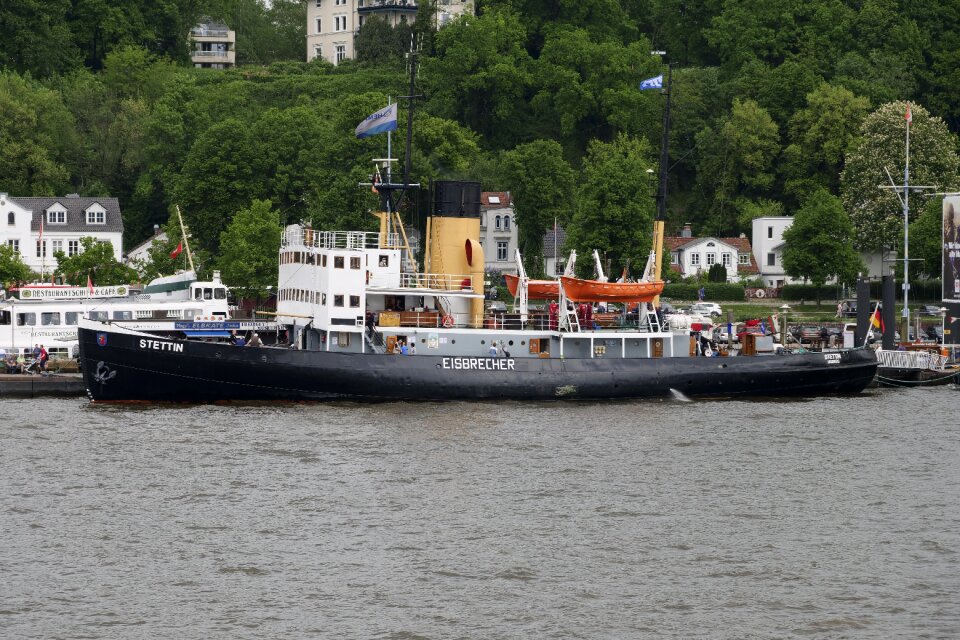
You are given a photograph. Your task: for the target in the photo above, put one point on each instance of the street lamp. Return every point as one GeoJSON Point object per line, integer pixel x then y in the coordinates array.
{"type": "Point", "coordinates": [785, 308]}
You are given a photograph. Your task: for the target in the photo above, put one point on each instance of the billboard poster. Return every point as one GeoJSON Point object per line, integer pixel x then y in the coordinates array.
{"type": "Point", "coordinates": [951, 248]}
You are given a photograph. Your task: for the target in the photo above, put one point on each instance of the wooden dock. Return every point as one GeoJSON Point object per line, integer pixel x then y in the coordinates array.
{"type": "Point", "coordinates": [27, 385]}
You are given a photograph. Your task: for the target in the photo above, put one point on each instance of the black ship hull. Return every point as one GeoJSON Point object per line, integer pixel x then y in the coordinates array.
{"type": "Point", "coordinates": [120, 366]}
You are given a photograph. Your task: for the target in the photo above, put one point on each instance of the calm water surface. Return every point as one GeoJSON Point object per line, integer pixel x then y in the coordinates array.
{"type": "Point", "coordinates": [828, 518]}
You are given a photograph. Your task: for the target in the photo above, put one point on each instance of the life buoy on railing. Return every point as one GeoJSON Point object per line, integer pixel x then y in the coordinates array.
{"type": "Point", "coordinates": [447, 321]}
{"type": "Point", "coordinates": [760, 293]}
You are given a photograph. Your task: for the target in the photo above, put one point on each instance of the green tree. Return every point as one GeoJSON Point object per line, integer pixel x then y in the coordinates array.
{"type": "Point", "coordinates": [876, 212]}
{"type": "Point", "coordinates": [96, 260]}
{"type": "Point", "coordinates": [218, 177]}
{"type": "Point", "coordinates": [614, 213]}
{"type": "Point", "coordinates": [818, 245]}
{"type": "Point", "coordinates": [821, 134]}
{"type": "Point", "coordinates": [249, 249]}
{"type": "Point", "coordinates": [481, 75]}
{"type": "Point", "coordinates": [541, 184]}
{"type": "Point", "coordinates": [926, 239]}
{"type": "Point", "coordinates": [37, 37]}
{"type": "Point", "coordinates": [737, 162]}
{"type": "Point", "coordinates": [717, 273]}
{"type": "Point", "coordinates": [12, 268]}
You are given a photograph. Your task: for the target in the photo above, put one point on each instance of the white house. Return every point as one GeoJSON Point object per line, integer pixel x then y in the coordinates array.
{"type": "Point", "coordinates": [768, 247]}
{"type": "Point", "coordinates": [690, 255]}
{"type": "Point", "coordinates": [37, 228]}
{"type": "Point", "coordinates": [498, 231]}
{"type": "Point", "coordinates": [332, 24]}
{"type": "Point", "coordinates": [141, 253]}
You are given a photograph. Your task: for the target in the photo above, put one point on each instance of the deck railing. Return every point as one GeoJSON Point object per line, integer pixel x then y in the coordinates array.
{"type": "Point", "coordinates": [911, 360]}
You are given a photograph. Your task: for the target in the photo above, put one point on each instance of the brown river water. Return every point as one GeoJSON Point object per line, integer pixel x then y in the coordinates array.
{"type": "Point", "coordinates": [829, 518]}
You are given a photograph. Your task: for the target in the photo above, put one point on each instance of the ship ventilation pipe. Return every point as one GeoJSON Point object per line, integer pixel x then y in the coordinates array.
{"type": "Point", "coordinates": [475, 262]}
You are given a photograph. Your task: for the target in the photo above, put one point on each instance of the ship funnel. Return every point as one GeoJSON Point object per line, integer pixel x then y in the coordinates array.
{"type": "Point", "coordinates": [453, 241]}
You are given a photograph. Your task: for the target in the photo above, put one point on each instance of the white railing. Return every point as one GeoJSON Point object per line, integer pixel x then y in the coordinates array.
{"type": "Point", "coordinates": [209, 33]}
{"type": "Point", "coordinates": [437, 281]}
{"type": "Point", "coordinates": [338, 239]}
{"type": "Point", "coordinates": [210, 54]}
{"type": "Point", "coordinates": [911, 360]}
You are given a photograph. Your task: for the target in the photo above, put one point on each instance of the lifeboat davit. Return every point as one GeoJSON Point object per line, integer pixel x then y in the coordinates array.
{"type": "Point", "coordinates": [536, 289]}
{"type": "Point", "coordinates": [595, 291]}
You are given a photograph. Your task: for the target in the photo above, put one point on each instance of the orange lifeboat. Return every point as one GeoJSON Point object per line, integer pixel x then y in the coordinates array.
{"type": "Point", "coordinates": [536, 289]}
{"type": "Point", "coordinates": [595, 291]}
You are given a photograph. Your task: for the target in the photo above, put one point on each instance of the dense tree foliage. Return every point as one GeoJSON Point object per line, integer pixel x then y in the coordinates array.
{"type": "Point", "coordinates": [96, 262]}
{"type": "Point", "coordinates": [249, 248]}
{"type": "Point", "coordinates": [12, 268]}
{"type": "Point", "coordinates": [877, 165]}
{"type": "Point", "coordinates": [771, 102]}
{"type": "Point", "coordinates": [818, 246]}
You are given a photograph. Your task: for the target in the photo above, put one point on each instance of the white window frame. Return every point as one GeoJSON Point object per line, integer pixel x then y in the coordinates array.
{"type": "Point", "coordinates": [771, 259]}
{"type": "Point", "coordinates": [15, 245]}
{"type": "Point", "coordinates": [57, 216]}
{"type": "Point", "coordinates": [506, 223]}
{"type": "Point", "coordinates": [503, 248]}
{"type": "Point", "coordinates": [340, 51]}
{"type": "Point", "coordinates": [340, 23]}
{"type": "Point", "coordinates": [55, 245]}
{"type": "Point", "coordinates": [695, 259]}
{"type": "Point", "coordinates": [73, 247]}
{"type": "Point", "coordinates": [95, 216]}
{"type": "Point", "coordinates": [743, 258]}
{"type": "Point", "coordinates": [675, 257]}
{"type": "Point", "coordinates": [726, 259]}
{"type": "Point", "coordinates": [41, 248]}
{"type": "Point", "coordinates": [711, 259]}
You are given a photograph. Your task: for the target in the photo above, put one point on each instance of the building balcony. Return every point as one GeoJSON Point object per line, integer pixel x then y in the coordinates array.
{"type": "Point", "coordinates": [213, 57]}
{"type": "Point", "coordinates": [212, 35]}
{"type": "Point", "coordinates": [373, 6]}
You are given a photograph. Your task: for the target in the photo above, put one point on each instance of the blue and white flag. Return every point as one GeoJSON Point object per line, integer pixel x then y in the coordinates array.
{"type": "Point", "coordinates": [652, 83]}
{"type": "Point", "coordinates": [379, 122]}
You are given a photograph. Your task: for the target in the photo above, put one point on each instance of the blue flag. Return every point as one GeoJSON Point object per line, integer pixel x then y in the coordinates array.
{"type": "Point", "coordinates": [379, 122]}
{"type": "Point", "coordinates": [652, 83]}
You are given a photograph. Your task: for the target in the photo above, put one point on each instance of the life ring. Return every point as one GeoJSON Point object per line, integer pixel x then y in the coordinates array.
{"type": "Point", "coordinates": [447, 321]}
{"type": "Point", "coordinates": [760, 293]}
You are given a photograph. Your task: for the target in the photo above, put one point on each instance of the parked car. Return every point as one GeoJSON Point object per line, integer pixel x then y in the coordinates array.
{"type": "Point", "coordinates": [706, 309]}
{"type": "Point", "coordinates": [930, 310]}
{"type": "Point", "coordinates": [935, 333]}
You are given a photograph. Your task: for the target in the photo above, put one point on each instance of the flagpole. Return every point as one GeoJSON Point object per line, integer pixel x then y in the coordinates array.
{"type": "Point", "coordinates": [906, 231]}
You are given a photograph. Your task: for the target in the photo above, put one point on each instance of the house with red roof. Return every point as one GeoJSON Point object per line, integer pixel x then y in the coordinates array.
{"type": "Point", "coordinates": [692, 255]}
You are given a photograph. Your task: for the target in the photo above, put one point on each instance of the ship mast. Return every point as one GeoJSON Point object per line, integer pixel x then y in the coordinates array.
{"type": "Point", "coordinates": [186, 240]}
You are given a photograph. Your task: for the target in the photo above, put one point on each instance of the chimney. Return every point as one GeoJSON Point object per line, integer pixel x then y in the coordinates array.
{"type": "Point", "coordinates": [156, 229]}
{"type": "Point", "coordinates": [687, 231]}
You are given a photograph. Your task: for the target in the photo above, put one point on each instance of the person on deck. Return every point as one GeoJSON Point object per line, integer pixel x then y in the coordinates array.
{"type": "Point", "coordinates": [493, 349]}
{"type": "Point", "coordinates": [255, 340]}
{"type": "Point", "coordinates": [44, 356]}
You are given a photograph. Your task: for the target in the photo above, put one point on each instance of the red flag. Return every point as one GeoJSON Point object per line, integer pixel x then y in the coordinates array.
{"type": "Point", "coordinates": [178, 250]}
{"type": "Point", "coordinates": [908, 116]}
{"type": "Point", "coordinates": [90, 284]}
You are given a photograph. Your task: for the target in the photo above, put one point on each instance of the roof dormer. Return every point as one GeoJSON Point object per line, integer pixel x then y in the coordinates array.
{"type": "Point", "coordinates": [56, 214]}
{"type": "Point", "coordinates": [96, 214]}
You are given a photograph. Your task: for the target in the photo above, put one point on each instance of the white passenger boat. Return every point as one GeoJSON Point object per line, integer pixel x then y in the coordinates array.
{"type": "Point", "coordinates": [48, 314]}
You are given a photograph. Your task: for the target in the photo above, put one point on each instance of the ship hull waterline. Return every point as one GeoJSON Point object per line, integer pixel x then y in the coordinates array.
{"type": "Point", "coordinates": [124, 367]}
